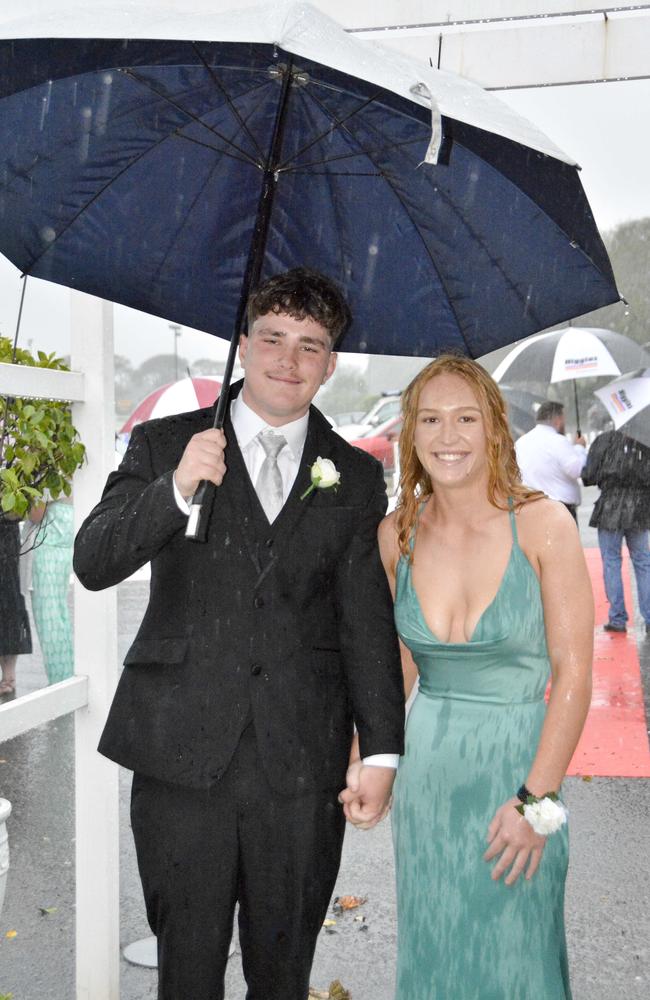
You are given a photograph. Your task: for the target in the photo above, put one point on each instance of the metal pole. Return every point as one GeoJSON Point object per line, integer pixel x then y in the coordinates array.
{"type": "Point", "coordinates": [198, 521]}
{"type": "Point", "coordinates": [575, 396]}
{"type": "Point", "coordinates": [176, 330]}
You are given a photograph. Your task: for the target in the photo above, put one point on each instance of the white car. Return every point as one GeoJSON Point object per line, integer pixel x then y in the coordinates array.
{"type": "Point", "coordinates": [384, 409]}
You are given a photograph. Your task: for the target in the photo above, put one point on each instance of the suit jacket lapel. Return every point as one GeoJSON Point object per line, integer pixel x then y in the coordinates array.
{"type": "Point", "coordinates": [238, 489]}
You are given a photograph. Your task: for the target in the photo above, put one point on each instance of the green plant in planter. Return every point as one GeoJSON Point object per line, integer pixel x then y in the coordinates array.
{"type": "Point", "coordinates": [40, 449]}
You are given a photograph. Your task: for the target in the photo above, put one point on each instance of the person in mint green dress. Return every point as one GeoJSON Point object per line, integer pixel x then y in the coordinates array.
{"type": "Point", "coordinates": [492, 596]}
{"type": "Point", "coordinates": [51, 568]}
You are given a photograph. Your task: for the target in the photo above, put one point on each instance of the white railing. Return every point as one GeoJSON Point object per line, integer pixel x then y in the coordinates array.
{"type": "Point", "coordinates": [89, 692]}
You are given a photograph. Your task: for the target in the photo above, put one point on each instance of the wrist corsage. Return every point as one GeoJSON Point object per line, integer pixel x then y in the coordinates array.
{"type": "Point", "coordinates": [545, 814]}
{"type": "Point", "coordinates": [324, 476]}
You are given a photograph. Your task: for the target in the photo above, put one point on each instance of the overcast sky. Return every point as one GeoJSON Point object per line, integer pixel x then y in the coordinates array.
{"type": "Point", "coordinates": [605, 127]}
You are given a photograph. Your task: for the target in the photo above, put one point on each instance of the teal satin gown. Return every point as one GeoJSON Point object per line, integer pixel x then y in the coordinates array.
{"type": "Point", "coordinates": [471, 737]}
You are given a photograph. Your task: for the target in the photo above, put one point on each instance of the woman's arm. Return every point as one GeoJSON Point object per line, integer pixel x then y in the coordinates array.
{"type": "Point", "coordinates": [569, 619]}
{"type": "Point", "coordinates": [389, 551]}
{"type": "Point", "coordinates": [549, 538]}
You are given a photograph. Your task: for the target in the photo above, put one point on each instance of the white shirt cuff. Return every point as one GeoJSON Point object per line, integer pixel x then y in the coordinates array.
{"type": "Point", "coordinates": [181, 502]}
{"type": "Point", "coordinates": [382, 760]}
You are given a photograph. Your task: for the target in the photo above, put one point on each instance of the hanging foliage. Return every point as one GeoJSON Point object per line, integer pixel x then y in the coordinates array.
{"type": "Point", "coordinates": [40, 449]}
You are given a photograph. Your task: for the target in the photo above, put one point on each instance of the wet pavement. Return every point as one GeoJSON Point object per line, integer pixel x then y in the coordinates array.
{"type": "Point", "coordinates": [608, 891]}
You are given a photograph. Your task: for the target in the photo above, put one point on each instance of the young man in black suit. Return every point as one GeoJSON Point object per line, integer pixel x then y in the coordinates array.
{"type": "Point", "coordinates": [257, 653]}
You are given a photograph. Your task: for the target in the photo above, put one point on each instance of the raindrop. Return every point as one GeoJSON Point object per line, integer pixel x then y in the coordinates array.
{"type": "Point", "coordinates": [48, 235]}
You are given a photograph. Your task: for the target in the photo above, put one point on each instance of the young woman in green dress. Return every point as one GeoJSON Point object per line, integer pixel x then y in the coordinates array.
{"type": "Point", "coordinates": [492, 596]}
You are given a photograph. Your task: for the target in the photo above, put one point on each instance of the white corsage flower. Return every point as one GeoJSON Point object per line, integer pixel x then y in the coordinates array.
{"type": "Point", "coordinates": [545, 815]}
{"type": "Point", "coordinates": [324, 476]}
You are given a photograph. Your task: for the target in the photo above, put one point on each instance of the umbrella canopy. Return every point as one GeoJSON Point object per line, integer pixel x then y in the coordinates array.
{"type": "Point", "coordinates": [175, 397]}
{"type": "Point", "coordinates": [165, 159]}
{"type": "Point", "coordinates": [627, 400]}
{"type": "Point", "coordinates": [522, 407]}
{"type": "Point", "coordinates": [573, 353]}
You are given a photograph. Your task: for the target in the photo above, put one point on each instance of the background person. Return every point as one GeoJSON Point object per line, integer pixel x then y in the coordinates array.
{"type": "Point", "coordinates": [15, 635]}
{"type": "Point", "coordinates": [548, 461]}
{"type": "Point", "coordinates": [491, 595]}
{"type": "Point", "coordinates": [620, 467]}
{"type": "Point", "coordinates": [51, 568]}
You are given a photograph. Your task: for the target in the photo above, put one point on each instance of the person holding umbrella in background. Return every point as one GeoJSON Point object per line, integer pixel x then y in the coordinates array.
{"type": "Point", "coordinates": [548, 461]}
{"type": "Point", "coordinates": [257, 652]}
{"type": "Point", "coordinates": [620, 467]}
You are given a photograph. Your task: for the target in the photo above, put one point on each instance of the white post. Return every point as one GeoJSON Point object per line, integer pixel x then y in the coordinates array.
{"type": "Point", "coordinates": [97, 800]}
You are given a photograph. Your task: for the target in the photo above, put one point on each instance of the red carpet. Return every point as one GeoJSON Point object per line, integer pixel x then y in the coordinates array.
{"type": "Point", "coordinates": [615, 739]}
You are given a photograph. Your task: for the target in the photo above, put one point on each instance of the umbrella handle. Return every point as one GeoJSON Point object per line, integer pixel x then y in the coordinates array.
{"type": "Point", "coordinates": [203, 500]}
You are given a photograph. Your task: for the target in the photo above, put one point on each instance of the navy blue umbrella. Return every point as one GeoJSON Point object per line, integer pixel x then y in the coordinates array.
{"type": "Point", "coordinates": [173, 175]}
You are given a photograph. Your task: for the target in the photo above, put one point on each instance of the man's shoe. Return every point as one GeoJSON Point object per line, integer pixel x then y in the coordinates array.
{"type": "Point", "coordinates": [608, 627]}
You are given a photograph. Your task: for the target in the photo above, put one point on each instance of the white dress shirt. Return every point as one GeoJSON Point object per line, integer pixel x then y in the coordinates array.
{"type": "Point", "coordinates": [549, 462]}
{"type": "Point", "coordinates": [247, 425]}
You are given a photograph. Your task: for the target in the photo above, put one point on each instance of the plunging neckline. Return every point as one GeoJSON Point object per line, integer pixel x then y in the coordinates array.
{"type": "Point", "coordinates": [471, 639]}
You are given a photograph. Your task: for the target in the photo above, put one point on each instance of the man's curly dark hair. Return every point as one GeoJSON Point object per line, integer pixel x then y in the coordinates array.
{"type": "Point", "coordinates": [302, 293]}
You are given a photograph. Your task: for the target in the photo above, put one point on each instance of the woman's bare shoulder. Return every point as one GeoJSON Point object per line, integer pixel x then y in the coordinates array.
{"type": "Point", "coordinates": [544, 520]}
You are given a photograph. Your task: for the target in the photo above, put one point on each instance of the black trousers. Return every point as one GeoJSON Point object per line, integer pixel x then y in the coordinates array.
{"type": "Point", "coordinates": [202, 851]}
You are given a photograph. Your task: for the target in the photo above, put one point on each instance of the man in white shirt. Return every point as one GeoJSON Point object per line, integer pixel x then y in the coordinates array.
{"type": "Point", "coordinates": [549, 461]}
{"type": "Point", "coordinates": [257, 652]}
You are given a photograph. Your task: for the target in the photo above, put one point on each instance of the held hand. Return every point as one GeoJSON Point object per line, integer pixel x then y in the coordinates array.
{"type": "Point", "coordinates": [366, 799]}
{"type": "Point", "coordinates": [581, 440]}
{"type": "Point", "coordinates": [202, 459]}
{"type": "Point", "coordinates": [512, 836]}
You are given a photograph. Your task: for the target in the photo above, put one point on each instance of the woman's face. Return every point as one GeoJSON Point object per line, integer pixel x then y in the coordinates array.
{"type": "Point", "coordinates": [450, 437]}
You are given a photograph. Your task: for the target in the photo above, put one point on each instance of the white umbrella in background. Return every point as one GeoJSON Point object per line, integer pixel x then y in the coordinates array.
{"type": "Point", "coordinates": [627, 400]}
{"type": "Point", "coordinates": [569, 354]}
{"type": "Point", "coordinates": [175, 397]}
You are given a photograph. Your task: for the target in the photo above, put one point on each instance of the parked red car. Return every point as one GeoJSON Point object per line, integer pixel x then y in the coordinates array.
{"type": "Point", "coordinates": [379, 441]}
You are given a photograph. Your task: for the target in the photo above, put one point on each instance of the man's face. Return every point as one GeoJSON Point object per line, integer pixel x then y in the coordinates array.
{"type": "Point", "coordinates": [285, 361]}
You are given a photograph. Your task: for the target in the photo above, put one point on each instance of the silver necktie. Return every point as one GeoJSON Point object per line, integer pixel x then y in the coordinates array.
{"type": "Point", "coordinates": [269, 481]}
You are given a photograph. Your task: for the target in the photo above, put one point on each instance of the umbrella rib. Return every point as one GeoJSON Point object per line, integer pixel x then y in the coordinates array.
{"type": "Point", "coordinates": [348, 156]}
{"type": "Point", "coordinates": [336, 173]}
{"type": "Point", "coordinates": [345, 128]}
{"type": "Point", "coordinates": [213, 149]}
{"type": "Point", "coordinates": [94, 198]}
{"type": "Point", "coordinates": [174, 239]}
{"type": "Point", "coordinates": [475, 236]}
{"type": "Point", "coordinates": [336, 124]}
{"type": "Point", "coordinates": [231, 103]}
{"type": "Point", "coordinates": [184, 111]}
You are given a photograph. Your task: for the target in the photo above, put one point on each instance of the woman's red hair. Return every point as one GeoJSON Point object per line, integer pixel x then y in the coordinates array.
{"type": "Point", "coordinates": [504, 478]}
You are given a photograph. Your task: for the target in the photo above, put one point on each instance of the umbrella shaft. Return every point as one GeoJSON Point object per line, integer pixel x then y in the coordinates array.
{"type": "Point", "coordinates": [197, 528]}
{"type": "Point", "coordinates": [260, 235]}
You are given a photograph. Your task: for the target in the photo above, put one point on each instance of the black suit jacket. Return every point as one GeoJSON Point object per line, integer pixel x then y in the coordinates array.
{"type": "Point", "coordinates": [290, 623]}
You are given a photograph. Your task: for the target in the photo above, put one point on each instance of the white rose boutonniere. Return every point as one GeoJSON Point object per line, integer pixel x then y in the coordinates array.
{"type": "Point", "coordinates": [324, 476]}
{"type": "Point", "coordinates": [545, 815]}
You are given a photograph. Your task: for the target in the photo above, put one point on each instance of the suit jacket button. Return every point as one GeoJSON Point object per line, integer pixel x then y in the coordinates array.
{"type": "Point", "coordinates": [256, 669]}
{"type": "Point", "coordinates": [259, 601]}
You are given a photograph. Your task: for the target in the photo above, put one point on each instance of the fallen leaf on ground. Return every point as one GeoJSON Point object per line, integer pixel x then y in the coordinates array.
{"type": "Point", "coordinates": [349, 902]}
{"type": "Point", "coordinates": [329, 923]}
{"type": "Point", "coordinates": [44, 910]}
{"type": "Point", "coordinates": [587, 777]}
{"type": "Point", "coordinates": [11, 934]}
{"type": "Point", "coordinates": [335, 992]}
